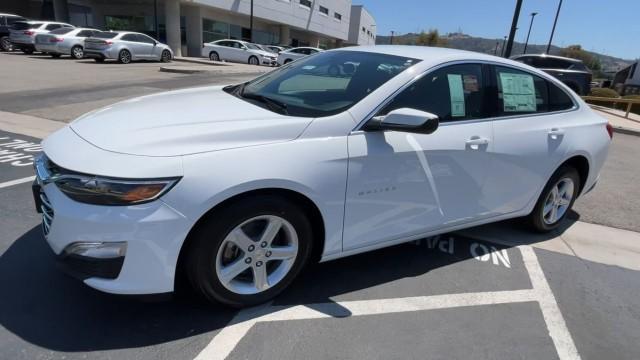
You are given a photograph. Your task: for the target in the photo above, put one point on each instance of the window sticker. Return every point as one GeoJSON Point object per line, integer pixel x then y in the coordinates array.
{"type": "Point", "coordinates": [518, 93]}
{"type": "Point", "coordinates": [456, 92]}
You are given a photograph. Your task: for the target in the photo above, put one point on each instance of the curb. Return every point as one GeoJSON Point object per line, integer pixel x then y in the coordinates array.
{"type": "Point", "coordinates": [621, 130]}
{"type": "Point", "coordinates": [201, 61]}
{"type": "Point", "coordinates": [184, 71]}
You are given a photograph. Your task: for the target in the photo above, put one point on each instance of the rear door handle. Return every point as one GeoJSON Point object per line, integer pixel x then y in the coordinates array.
{"type": "Point", "coordinates": [475, 142]}
{"type": "Point", "coordinates": [556, 133]}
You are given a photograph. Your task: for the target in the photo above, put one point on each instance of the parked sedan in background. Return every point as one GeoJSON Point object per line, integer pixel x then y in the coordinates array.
{"type": "Point", "coordinates": [64, 41]}
{"type": "Point", "coordinates": [6, 21]}
{"type": "Point", "coordinates": [235, 189]}
{"type": "Point", "coordinates": [125, 46]}
{"type": "Point", "coordinates": [573, 72]}
{"type": "Point", "coordinates": [288, 56]}
{"type": "Point", "coordinates": [275, 49]}
{"type": "Point", "coordinates": [238, 51]}
{"type": "Point", "coordinates": [23, 33]}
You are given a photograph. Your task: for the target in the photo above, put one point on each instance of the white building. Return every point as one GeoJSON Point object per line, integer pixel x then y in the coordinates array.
{"type": "Point", "coordinates": [186, 24]}
{"type": "Point", "coordinates": [362, 27]}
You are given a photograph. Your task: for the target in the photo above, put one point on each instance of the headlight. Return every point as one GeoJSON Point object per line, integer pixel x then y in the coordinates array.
{"type": "Point", "coordinates": [104, 191]}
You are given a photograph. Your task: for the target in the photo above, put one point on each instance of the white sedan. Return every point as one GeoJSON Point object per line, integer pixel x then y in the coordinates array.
{"type": "Point", "coordinates": [235, 189]}
{"type": "Point", "coordinates": [287, 56]}
{"type": "Point", "coordinates": [238, 51]}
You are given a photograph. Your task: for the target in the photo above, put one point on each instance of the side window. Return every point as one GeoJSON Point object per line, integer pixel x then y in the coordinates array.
{"type": "Point", "coordinates": [145, 39]}
{"type": "Point", "coordinates": [129, 37]}
{"type": "Point", "coordinates": [453, 93]}
{"type": "Point", "coordinates": [520, 92]}
{"type": "Point", "coordinates": [558, 99]}
{"type": "Point", "coordinates": [85, 33]}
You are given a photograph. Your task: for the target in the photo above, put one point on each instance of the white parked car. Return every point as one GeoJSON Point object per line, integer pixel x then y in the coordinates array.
{"type": "Point", "coordinates": [287, 56]}
{"type": "Point", "coordinates": [238, 51]}
{"type": "Point", "coordinates": [125, 47]}
{"type": "Point", "coordinates": [23, 33]}
{"type": "Point", "coordinates": [64, 41]}
{"type": "Point", "coordinates": [239, 187]}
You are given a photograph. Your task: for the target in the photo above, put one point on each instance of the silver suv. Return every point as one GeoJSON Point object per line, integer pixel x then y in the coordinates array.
{"type": "Point", "coordinates": [23, 33]}
{"type": "Point", "coordinates": [125, 46]}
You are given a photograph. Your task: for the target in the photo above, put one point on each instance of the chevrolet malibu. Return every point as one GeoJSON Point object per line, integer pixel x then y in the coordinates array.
{"type": "Point", "coordinates": [235, 189]}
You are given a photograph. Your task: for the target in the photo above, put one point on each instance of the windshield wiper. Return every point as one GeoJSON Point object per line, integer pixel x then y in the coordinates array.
{"type": "Point", "coordinates": [274, 104]}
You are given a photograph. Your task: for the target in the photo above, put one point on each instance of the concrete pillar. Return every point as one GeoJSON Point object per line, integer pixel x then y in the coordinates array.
{"type": "Point", "coordinates": [193, 27]}
{"type": "Point", "coordinates": [285, 35]}
{"type": "Point", "coordinates": [172, 24]}
{"type": "Point", "coordinates": [61, 10]}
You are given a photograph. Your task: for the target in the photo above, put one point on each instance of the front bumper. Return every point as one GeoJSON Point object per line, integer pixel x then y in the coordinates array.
{"type": "Point", "coordinates": [153, 233]}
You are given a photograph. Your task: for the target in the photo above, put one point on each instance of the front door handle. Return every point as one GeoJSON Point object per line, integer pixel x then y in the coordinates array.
{"type": "Point", "coordinates": [556, 133]}
{"type": "Point", "coordinates": [475, 142]}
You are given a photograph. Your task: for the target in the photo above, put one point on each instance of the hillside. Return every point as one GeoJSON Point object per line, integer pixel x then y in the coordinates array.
{"type": "Point", "coordinates": [483, 45]}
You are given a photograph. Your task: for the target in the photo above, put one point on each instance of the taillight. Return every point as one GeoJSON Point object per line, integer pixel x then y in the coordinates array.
{"type": "Point", "coordinates": [108, 42]}
{"type": "Point", "coordinates": [28, 32]}
{"type": "Point", "coordinates": [55, 39]}
{"type": "Point", "coordinates": [610, 130]}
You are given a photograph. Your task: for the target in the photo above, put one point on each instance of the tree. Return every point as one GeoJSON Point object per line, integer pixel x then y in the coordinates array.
{"type": "Point", "coordinates": [576, 52]}
{"type": "Point", "coordinates": [431, 38]}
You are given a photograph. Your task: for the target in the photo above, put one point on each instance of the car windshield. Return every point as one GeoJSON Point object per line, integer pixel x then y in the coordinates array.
{"type": "Point", "coordinates": [323, 84]}
{"type": "Point", "coordinates": [253, 46]}
{"type": "Point", "coordinates": [61, 31]}
{"type": "Point", "coordinates": [105, 35]}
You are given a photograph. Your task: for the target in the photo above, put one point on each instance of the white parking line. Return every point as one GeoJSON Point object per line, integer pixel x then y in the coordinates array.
{"type": "Point", "coordinates": [228, 338]}
{"type": "Point", "coordinates": [17, 181]}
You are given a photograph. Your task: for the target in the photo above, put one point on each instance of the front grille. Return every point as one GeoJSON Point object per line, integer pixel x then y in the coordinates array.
{"type": "Point", "coordinates": [47, 213]}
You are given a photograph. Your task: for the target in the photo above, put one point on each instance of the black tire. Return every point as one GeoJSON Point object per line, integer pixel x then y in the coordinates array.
{"type": "Point", "coordinates": [166, 56]}
{"type": "Point", "coordinates": [124, 57]}
{"type": "Point", "coordinates": [253, 60]}
{"type": "Point", "coordinates": [77, 52]}
{"type": "Point", "coordinates": [98, 60]}
{"type": "Point", "coordinates": [213, 56]}
{"type": "Point", "coordinates": [27, 51]}
{"type": "Point", "coordinates": [536, 219]}
{"type": "Point", "coordinates": [210, 234]}
{"type": "Point", "coordinates": [55, 56]}
{"type": "Point", "coordinates": [288, 61]}
{"type": "Point", "coordinates": [5, 44]}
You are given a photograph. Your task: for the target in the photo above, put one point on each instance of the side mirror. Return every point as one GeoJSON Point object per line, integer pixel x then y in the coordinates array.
{"type": "Point", "coordinates": [406, 120]}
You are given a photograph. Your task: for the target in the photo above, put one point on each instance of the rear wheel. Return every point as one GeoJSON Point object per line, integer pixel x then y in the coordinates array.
{"type": "Point", "coordinates": [556, 199]}
{"type": "Point", "coordinates": [5, 44]}
{"type": "Point", "coordinates": [124, 57]}
{"type": "Point", "coordinates": [166, 56]}
{"type": "Point", "coordinates": [254, 61]}
{"type": "Point", "coordinates": [250, 252]}
{"type": "Point", "coordinates": [213, 56]}
{"type": "Point", "coordinates": [77, 52]}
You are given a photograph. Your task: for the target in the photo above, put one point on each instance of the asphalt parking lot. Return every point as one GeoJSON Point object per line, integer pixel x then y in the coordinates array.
{"type": "Point", "coordinates": [493, 292]}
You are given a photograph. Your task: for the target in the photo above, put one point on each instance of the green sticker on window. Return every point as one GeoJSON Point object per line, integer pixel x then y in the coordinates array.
{"type": "Point", "coordinates": [518, 93]}
{"type": "Point", "coordinates": [456, 93]}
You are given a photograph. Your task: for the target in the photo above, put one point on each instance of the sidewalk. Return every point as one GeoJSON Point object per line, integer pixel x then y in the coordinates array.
{"type": "Point", "coordinates": [618, 121]}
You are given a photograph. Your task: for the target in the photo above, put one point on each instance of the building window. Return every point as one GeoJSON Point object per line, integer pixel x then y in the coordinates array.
{"type": "Point", "coordinates": [337, 16]}
{"type": "Point", "coordinates": [324, 10]}
{"type": "Point", "coordinates": [306, 3]}
{"type": "Point", "coordinates": [214, 30]}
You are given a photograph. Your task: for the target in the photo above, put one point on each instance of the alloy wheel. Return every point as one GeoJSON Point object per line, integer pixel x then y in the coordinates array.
{"type": "Point", "coordinates": [77, 52]}
{"type": "Point", "coordinates": [253, 60]}
{"type": "Point", "coordinates": [558, 201]}
{"type": "Point", "coordinates": [256, 255]}
{"type": "Point", "coordinates": [214, 57]}
{"type": "Point", "coordinates": [5, 44]}
{"type": "Point", "coordinates": [125, 57]}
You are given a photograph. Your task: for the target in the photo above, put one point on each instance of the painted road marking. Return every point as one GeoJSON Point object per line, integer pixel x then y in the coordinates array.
{"type": "Point", "coordinates": [18, 152]}
{"type": "Point", "coordinates": [16, 182]}
{"type": "Point", "coordinates": [477, 250]}
{"type": "Point", "coordinates": [228, 338]}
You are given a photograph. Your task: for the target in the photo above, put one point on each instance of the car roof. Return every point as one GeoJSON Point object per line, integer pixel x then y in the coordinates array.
{"type": "Point", "coordinates": [6, 14]}
{"type": "Point", "coordinates": [546, 56]}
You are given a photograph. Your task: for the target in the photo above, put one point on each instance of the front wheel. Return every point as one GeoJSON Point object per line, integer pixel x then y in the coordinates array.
{"type": "Point", "coordinates": [213, 56]}
{"type": "Point", "coordinates": [254, 61]}
{"type": "Point", "coordinates": [166, 56]}
{"type": "Point", "coordinates": [249, 252]}
{"type": "Point", "coordinates": [556, 200]}
{"type": "Point", "coordinates": [5, 44]}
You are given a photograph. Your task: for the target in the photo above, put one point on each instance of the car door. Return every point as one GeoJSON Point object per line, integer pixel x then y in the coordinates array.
{"type": "Point", "coordinates": [151, 49]}
{"type": "Point", "coordinates": [530, 136]}
{"type": "Point", "coordinates": [131, 43]}
{"type": "Point", "coordinates": [402, 184]}
{"type": "Point", "coordinates": [239, 52]}
{"type": "Point", "coordinates": [226, 51]}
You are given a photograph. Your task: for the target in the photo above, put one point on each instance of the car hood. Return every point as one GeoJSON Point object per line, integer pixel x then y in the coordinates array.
{"type": "Point", "coordinates": [185, 122]}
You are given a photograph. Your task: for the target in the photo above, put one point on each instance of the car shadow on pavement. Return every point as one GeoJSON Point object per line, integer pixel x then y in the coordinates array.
{"type": "Point", "coordinates": [45, 307]}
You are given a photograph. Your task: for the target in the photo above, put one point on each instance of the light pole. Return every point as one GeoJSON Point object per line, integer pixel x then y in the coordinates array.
{"type": "Point", "coordinates": [391, 41]}
{"type": "Point", "coordinates": [554, 27]}
{"type": "Point", "coordinates": [251, 23]}
{"type": "Point", "coordinates": [514, 24]}
{"type": "Point", "coordinates": [155, 19]}
{"type": "Point", "coordinates": [533, 15]}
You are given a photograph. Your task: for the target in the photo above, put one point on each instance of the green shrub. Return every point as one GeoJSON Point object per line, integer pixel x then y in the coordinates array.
{"type": "Point", "coordinates": [603, 92]}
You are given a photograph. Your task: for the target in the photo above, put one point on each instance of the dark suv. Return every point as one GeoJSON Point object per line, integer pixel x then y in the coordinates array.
{"type": "Point", "coordinates": [6, 20]}
{"type": "Point", "coordinates": [572, 72]}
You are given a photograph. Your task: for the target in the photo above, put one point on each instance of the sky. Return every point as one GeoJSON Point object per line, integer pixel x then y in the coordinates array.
{"type": "Point", "coordinates": [610, 27]}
